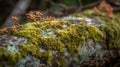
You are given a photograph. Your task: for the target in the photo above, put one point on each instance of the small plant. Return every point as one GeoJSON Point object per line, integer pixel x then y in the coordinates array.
{"type": "Point", "coordinates": [15, 19]}
{"type": "Point", "coordinates": [34, 16]}
{"type": "Point", "coordinates": [104, 7]}
{"type": "Point", "coordinates": [50, 18]}
{"type": "Point", "coordinates": [59, 22]}
{"type": "Point", "coordinates": [4, 30]}
{"type": "Point", "coordinates": [38, 16]}
{"type": "Point", "coordinates": [96, 11]}
{"type": "Point", "coordinates": [14, 28]}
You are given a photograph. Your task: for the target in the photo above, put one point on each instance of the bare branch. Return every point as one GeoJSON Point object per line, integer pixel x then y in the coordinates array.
{"type": "Point", "coordinates": [59, 4]}
{"type": "Point", "coordinates": [18, 10]}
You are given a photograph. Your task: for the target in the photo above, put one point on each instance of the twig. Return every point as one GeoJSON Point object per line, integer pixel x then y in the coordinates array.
{"type": "Point", "coordinates": [90, 5]}
{"type": "Point", "coordinates": [59, 4]}
{"type": "Point", "coordinates": [18, 10]}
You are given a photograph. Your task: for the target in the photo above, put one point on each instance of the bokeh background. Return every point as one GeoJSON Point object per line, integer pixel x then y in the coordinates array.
{"type": "Point", "coordinates": [57, 8]}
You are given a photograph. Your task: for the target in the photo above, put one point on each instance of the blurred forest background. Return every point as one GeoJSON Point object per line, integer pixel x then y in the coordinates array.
{"type": "Point", "coordinates": [57, 8]}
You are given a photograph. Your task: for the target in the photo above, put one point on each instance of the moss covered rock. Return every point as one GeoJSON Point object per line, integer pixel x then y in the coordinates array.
{"type": "Point", "coordinates": [59, 43]}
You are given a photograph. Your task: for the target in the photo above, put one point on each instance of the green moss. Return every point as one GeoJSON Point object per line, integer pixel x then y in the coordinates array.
{"type": "Point", "coordinates": [76, 35]}
{"type": "Point", "coordinates": [52, 44]}
{"type": "Point", "coordinates": [30, 49]}
{"type": "Point", "coordinates": [60, 62]}
{"type": "Point", "coordinates": [84, 14]}
{"type": "Point", "coordinates": [29, 31]}
{"type": "Point", "coordinates": [111, 27]}
{"type": "Point", "coordinates": [8, 56]}
{"type": "Point", "coordinates": [2, 49]}
{"type": "Point", "coordinates": [70, 37]}
{"type": "Point", "coordinates": [47, 56]}
{"type": "Point", "coordinates": [112, 31]}
{"type": "Point", "coordinates": [11, 58]}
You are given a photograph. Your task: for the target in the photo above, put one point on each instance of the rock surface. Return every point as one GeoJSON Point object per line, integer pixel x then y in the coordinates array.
{"type": "Point", "coordinates": [75, 41]}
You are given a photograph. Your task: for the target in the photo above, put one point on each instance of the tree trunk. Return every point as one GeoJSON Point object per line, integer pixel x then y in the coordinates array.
{"type": "Point", "coordinates": [18, 10]}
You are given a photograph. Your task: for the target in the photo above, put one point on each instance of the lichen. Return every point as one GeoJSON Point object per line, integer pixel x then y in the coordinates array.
{"type": "Point", "coordinates": [56, 36]}
{"type": "Point", "coordinates": [28, 61]}
{"type": "Point", "coordinates": [70, 37]}
{"type": "Point", "coordinates": [110, 27]}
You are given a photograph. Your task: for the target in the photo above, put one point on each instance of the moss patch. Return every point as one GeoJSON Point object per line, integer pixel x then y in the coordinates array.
{"type": "Point", "coordinates": [53, 36]}
{"type": "Point", "coordinates": [112, 31]}
{"type": "Point", "coordinates": [111, 27]}
{"type": "Point", "coordinates": [70, 37]}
